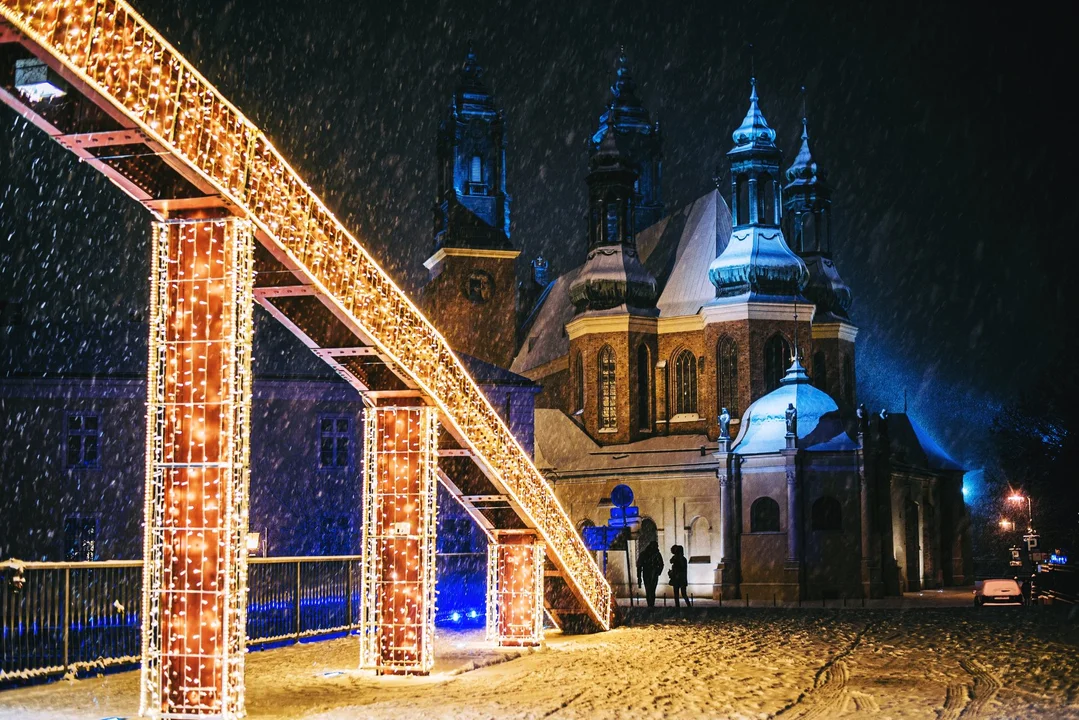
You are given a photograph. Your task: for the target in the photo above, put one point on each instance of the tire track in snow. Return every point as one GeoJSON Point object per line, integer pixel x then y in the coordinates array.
{"type": "Point", "coordinates": [985, 687]}
{"type": "Point", "coordinates": [829, 694]}
{"type": "Point", "coordinates": [955, 701]}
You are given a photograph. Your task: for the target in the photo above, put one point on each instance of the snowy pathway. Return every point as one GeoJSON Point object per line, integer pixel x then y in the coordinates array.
{"type": "Point", "coordinates": [943, 664]}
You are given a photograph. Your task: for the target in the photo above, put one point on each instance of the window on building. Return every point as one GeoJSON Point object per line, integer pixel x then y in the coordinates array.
{"type": "Point", "coordinates": [335, 441]}
{"type": "Point", "coordinates": [83, 440]}
{"type": "Point", "coordinates": [764, 515]}
{"type": "Point", "coordinates": [820, 371]}
{"type": "Point", "coordinates": [699, 541]}
{"type": "Point", "coordinates": [475, 173]}
{"type": "Point", "coordinates": [80, 539]}
{"type": "Point", "coordinates": [612, 223]}
{"type": "Point", "coordinates": [777, 358]}
{"type": "Point", "coordinates": [827, 514]}
{"type": "Point", "coordinates": [685, 383]}
{"type": "Point", "coordinates": [644, 390]}
{"type": "Point", "coordinates": [741, 189]}
{"type": "Point", "coordinates": [809, 233]}
{"type": "Point", "coordinates": [578, 400]}
{"type": "Point", "coordinates": [848, 379]}
{"type": "Point", "coordinates": [727, 374]}
{"type": "Point", "coordinates": [608, 392]}
{"type": "Point", "coordinates": [766, 199]}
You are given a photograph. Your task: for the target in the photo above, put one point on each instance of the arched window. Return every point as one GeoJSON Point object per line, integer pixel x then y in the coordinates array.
{"type": "Point", "coordinates": [612, 223]}
{"type": "Point", "coordinates": [825, 231]}
{"type": "Point", "coordinates": [727, 375]}
{"type": "Point", "coordinates": [766, 199]}
{"type": "Point", "coordinates": [476, 170]}
{"type": "Point", "coordinates": [644, 389]}
{"type": "Point", "coordinates": [578, 400]}
{"type": "Point", "coordinates": [820, 371]}
{"type": "Point", "coordinates": [809, 232]}
{"type": "Point", "coordinates": [608, 395]}
{"type": "Point", "coordinates": [777, 357]}
{"type": "Point", "coordinates": [827, 514]}
{"type": "Point", "coordinates": [699, 540]}
{"type": "Point", "coordinates": [741, 200]}
{"type": "Point", "coordinates": [764, 515]}
{"type": "Point", "coordinates": [848, 379]}
{"type": "Point", "coordinates": [685, 383]}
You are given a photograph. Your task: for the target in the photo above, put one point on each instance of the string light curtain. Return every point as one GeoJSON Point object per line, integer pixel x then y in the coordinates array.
{"type": "Point", "coordinates": [115, 52]}
{"type": "Point", "coordinates": [515, 567]}
{"type": "Point", "coordinates": [398, 568]}
{"type": "Point", "coordinates": [197, 473]}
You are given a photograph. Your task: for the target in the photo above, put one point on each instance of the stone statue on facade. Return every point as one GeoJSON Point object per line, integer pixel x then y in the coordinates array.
{"type": "Point", "coordinates": [792, 420]}
{"type": "Point", "coordinates": [724, 424]}
{"type": "Point", "coordinates": [863, 419]}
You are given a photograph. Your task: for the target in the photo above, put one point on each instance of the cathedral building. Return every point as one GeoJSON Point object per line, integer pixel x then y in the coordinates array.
{"type": "Point", "coordinates": [704, 356]}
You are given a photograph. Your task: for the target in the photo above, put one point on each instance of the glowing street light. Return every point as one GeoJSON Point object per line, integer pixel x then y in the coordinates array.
{"type": "Point", "coordinates": [1006, 524]}
{"type": "Point", "coordinates": [1019, 498]}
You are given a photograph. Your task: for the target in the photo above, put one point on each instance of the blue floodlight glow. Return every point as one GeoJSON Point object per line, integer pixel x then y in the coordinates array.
{"type": "Point", "coordinates": [472, 614]}
{"type": "Point", "coordinates": [456, 616]}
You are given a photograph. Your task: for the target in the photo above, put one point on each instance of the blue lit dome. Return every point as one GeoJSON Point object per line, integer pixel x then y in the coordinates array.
{"type": "Point", "coordinates": [758, 260]}
{"type": "Point", "coordinates": [820, 427]}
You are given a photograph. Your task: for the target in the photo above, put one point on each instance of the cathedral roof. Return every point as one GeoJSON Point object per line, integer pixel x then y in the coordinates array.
{"type": "Point", "coordinates": [819, 425]}
{"type": "Point", "coordinates": [676, 251]}
{"type": "Point", "coordinates": [912, 446]}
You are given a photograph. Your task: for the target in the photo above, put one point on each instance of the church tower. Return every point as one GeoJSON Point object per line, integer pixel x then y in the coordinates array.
{"type": "Point", "coordinates": [807, 220]}
{"type": "Point", "coordinates": [473, 283]}
{"type": "Point", "coordinates": [641, 140]}
{"type": "Point", "coordinates": [759, 315]}
{"type": "Point", "coordinates": [614, 299]}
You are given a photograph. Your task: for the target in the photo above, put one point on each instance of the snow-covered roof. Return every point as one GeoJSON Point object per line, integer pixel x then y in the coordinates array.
{"type": "Point", "coordinates": [912, 445]}
{"type": "Point", "coordinates": [563, 447]}
{"type": "Point", "coordinates": [819, 425]}
{"type": "Point", "coordinates": [676, 250]}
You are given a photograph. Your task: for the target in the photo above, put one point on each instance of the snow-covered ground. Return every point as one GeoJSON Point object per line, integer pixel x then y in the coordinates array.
{"type": "Point", "coordinates": [946, 663]}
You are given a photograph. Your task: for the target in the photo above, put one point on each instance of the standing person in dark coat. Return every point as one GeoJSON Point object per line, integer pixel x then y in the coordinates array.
{"type": "Point", "coordinates": [649, 566]}
{"type": "Point", "coordinates": [679, 574]}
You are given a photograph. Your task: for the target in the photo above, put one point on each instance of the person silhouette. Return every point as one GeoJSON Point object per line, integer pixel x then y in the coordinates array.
{"type": "Point", "coordinates": [649, 566]}
{"type": "Point", "coordinates": [679, 574]}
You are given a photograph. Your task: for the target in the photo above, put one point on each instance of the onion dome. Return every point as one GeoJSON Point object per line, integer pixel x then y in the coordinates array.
{"type": "Point", "coordinates": [612, 275]}
{"type": "Point", "coordinates": [819, 425]}
{"type": "Point", "coordinates": [754, 132]}
{"type": "Point", "coordinates": [625, 111]}
{"type": "Point", "coordinates": [757, 260]}
{"type": "Point", "coordinates": [826, 289]}
{"type": "Point", "coordinates": [804, 168]}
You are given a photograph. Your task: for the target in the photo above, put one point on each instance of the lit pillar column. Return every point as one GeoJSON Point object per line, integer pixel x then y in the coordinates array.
{"type": "Point", "coordinates": [199, 394]}
{"type": "Point", "coordinates": [400, 483]}
{"type": "Point", "coordinates": [515, 590]}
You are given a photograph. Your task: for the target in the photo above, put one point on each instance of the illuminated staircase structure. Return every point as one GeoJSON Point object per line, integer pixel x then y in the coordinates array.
{"type": "Point", "coordinates": [138, 112]}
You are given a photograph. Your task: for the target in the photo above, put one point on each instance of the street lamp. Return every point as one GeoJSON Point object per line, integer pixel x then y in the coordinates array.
{"type": "Point", "coordinates": [1006, 524]}
{"type": "Point", "coordinates": [1018, 498]}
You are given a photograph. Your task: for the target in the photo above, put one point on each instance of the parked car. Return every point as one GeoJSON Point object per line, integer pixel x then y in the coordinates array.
{"type": "Point", "coordinates": [998, 591]}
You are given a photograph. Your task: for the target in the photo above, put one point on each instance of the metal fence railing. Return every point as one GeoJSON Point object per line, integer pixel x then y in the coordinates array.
{"type": "Point", "coordinates": [58, 618]}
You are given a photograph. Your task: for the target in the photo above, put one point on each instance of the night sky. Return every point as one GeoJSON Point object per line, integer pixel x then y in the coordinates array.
{"type": "Point", "coordinates": [942, 130]}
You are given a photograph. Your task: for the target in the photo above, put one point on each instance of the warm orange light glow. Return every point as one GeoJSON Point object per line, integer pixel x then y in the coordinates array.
{"type": "Point", "coordinates": [1016, 497]}
{"type": "Point", "coordinates": [515, 590]}
{"type": "Point", "coordinates": [400, 482]}
{"type": "Point", "coordinates": [194, 601]}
